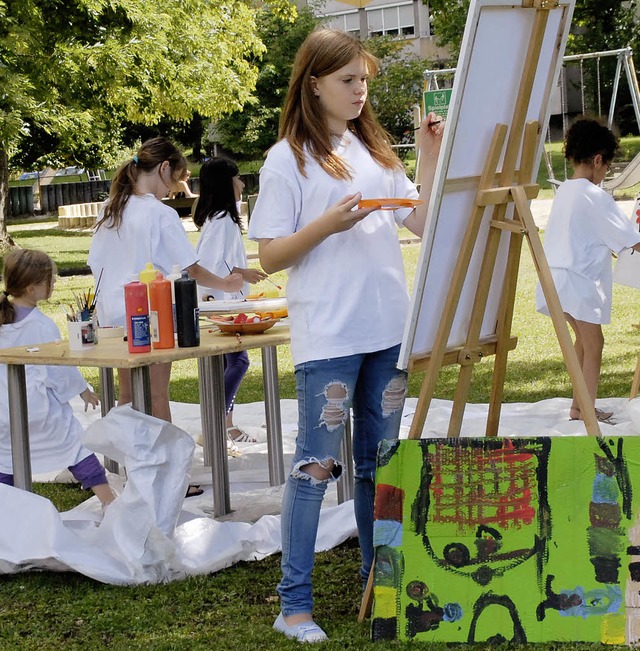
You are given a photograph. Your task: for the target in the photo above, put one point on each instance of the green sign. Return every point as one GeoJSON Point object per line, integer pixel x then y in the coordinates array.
{"type": "Point", "coordinates": [437, 101]}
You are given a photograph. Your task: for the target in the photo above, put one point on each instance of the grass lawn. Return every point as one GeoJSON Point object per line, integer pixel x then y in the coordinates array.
{"type": "Point", "coordinates": [235, 608]}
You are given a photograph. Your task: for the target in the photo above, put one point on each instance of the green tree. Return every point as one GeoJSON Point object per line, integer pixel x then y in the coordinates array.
{"type": "Point", "coordinates": [73, 71]}
{"type": "Point", "coordinates": [400, 78]}
{"type": "Point", "coordinates": [596, 25]}
{"type": "Point", "coordinates": [253, 128]}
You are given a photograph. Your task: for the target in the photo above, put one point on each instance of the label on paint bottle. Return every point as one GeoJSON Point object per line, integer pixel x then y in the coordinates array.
{"type": "Point", "coordinates": [140, 330]}
{"type": "Point", "coordinates": [154, 327]}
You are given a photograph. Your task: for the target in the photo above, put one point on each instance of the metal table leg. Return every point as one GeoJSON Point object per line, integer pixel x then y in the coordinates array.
{"type": "Point", "coordinates": [141, 389]}
{"type": "Point", "coordinates": [345, 485]}
{"type": "Point", "coordinates": [108, 402]}
{"type": "Point", "coordinates": [214, 431]}
{"type": "Point", "coordinates": [272, 411]}
{"type": "Point", "coordinates": [205, 380]}
{"type": "Point", "coordinates": [19, 426]}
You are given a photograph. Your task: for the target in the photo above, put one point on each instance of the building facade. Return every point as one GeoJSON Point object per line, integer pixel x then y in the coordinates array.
{"type": "Point", "coordinates": [408, 19]}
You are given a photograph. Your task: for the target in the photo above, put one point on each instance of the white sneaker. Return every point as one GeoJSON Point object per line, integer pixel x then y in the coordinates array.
{"type": "Point", "coordinates": [308, 632]}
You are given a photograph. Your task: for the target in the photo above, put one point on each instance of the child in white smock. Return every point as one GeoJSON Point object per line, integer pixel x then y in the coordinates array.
{"type": "Point", "coordinates": [346, 292]}
{"type": "Point", "coordinates": [54, 432]}
{"type": "Point", "coordinates": [135, 228]}
{"type": "Point", "coordinates": [221, 249]}
{"type": "Point", "coordinates": [585, 226]}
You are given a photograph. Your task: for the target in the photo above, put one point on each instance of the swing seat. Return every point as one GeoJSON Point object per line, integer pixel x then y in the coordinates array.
{"type": "Point", "coordinates": [629, 176]}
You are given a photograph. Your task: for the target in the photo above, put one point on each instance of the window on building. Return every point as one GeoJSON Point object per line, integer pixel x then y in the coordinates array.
{"type": "Point", "coordinates": [347, 22]}
{"type": "Point", "coordinates": [392, 21]}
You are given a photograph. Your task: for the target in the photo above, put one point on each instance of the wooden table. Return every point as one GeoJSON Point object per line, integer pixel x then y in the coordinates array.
{"type": "Point", "coordinates": [113, 353]}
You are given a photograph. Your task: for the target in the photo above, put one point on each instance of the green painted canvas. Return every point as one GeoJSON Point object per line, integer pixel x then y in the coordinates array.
{"type": "Point", "coordinates": [494, 540]}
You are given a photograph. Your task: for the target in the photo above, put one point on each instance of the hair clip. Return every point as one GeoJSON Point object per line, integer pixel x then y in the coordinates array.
{"type": "Point", "coordinates": [136, 160]}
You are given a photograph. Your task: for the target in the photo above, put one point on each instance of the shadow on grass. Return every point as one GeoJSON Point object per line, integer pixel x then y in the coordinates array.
{"type": "Point", "coordinates": [37, 233]}
{"type": "Point", "coordinates": [529, 381]}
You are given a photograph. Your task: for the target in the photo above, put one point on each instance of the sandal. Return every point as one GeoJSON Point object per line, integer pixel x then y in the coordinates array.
{"type": "Point", "coordinates": [242, 437]}
{"type": "Point", "coordinates": [602, 416]}
{"type": "Point", "coordinates": [193, 491]}
{"type": "Point", "coordinates": [232, 449]}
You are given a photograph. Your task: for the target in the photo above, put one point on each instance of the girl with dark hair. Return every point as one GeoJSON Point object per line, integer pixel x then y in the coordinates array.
{"type": "Point", "coordinates": [346, 292]}
{"type": "Point", "coordinates": [585, 226]}
{"type": "Point", "coordinates": [54, 432]}
{"type": "Point", "coordinates": [134, 228]}
{"type": "Point", "coordinates": [221, 249]}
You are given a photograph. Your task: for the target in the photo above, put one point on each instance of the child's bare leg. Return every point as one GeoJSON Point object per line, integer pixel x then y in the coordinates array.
{"type": "Point", "coordinates": [592, 342]}
{"type": "Point", "coordinates": [104, 493]}
{"type": "Point", "coordinates": [574, 411]}
{"type": "Point", "coordinates": [159, 376]}
{"type": "Point", "coordinates": [124, 386]}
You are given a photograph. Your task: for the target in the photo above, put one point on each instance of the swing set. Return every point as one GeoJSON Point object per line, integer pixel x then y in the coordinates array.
{"type": "Point", "coordinates": [574, 75]}
{"type": "Point", "coordinates": [576, 71]}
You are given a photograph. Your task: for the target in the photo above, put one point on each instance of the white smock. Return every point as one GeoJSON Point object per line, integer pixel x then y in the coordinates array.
{"type": "Point", "coordinates": [585, 226]}
{"type": "Point", "coordinates": [149, 232]}
{"type": "Point", "coordinates": [220, 249]}
{"type": "Point", "coordinates": [54, 432]}
{"type": "Point", "coordinates": [347, 295]}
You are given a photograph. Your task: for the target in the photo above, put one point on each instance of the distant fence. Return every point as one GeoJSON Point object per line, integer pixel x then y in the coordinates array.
{"type": "Point", "coordinates": [21, 199]}
{"type": "Point", "coordinates": [66, 194]}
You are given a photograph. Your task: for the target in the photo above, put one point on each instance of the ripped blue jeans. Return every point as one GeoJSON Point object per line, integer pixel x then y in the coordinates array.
{"type": "Point", "coordinates": [372, 386]}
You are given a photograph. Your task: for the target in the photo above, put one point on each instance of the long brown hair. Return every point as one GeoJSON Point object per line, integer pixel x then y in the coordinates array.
{"type": "Point", "coordinates": [22, 268]}
{"type": "Point", "coordinates": [302, 121]}
{"type": "Point", "coordinates": [151, 153]}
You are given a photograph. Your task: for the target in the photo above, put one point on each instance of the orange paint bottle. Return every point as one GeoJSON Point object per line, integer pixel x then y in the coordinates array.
{"type": "Point", "coordinates": [161, 315]}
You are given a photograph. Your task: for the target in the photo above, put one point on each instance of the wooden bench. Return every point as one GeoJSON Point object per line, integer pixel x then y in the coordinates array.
{"type": "Point", "coordinates": [182, 205]}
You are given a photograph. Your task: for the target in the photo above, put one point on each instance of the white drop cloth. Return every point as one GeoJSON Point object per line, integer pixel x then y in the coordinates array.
{"type": "Point", "coordinates": [149, 534]}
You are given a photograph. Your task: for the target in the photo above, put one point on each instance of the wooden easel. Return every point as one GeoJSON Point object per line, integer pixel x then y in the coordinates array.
{"type": "Point", "coordinates": [497, 188]}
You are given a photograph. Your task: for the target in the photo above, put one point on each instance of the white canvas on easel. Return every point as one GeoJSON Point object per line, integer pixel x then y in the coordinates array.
{"type": "Point", "coordinates": [485, 91]}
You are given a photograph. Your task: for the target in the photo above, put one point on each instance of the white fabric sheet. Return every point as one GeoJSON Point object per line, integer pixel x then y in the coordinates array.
{"type": "Point", "coordinates": [150, 534]}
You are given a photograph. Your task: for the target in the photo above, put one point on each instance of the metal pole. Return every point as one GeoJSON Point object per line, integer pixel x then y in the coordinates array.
{"type": "Point", "coordinates": [272, 412]}
{"type": "Point", "coordinates": [141, 389]}
{"type": "Point", "coordinates": [206, 412]}
{"type": "Point", "coordinates": [19, 426]}
{"type": "Point", "coordinates": [345, 485]}
{"type": "Point", "coordinates": [107, 403]}
{"type": "Point", "coordinates": [214, 431]}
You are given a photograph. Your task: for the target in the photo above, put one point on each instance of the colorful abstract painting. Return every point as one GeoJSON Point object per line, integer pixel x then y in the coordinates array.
{"type": "Point", "coordinates": [494, 540]}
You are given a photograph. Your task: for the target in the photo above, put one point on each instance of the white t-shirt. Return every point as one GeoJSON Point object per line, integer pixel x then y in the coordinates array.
{"type": "Point", "coordinates": [54, 432]}
{"type": "Point", "coordinates": [149, 232]}
{"type": "Point", "coordinates": [348, 295]}
{"type": "Point", "coordinates": [585, 226]}
{"type": "Point", "coordinates": [220, 245]}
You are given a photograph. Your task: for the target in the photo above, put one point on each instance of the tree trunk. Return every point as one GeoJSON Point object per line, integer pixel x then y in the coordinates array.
{"type": "Point", "coordinates": [196, 131]}
{"type": "Point", "coordinates": [5, 239]}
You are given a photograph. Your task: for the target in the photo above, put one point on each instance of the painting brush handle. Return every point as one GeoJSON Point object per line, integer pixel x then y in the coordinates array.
{"type": "Point", "coordinates": [274, 284]}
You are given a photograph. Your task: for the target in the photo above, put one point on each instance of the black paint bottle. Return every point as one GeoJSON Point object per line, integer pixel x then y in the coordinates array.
{"type": "Point", "coordinates": [187, 312]}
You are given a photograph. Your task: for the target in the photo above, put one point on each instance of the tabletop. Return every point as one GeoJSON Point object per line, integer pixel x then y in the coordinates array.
{"type": "Point", "coordinates": [114, 352]}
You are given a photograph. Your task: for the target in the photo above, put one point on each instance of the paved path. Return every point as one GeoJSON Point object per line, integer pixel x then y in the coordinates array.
{"type": "Point", "coordinates": [541, 208]}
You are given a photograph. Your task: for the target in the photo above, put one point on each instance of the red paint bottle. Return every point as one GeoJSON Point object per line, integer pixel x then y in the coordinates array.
{"type": "Point", "coordinates": [136, 301]}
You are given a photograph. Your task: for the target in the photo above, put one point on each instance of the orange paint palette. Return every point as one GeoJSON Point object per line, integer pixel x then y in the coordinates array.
{"type": "Point", "coordinates": [389, 204]}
